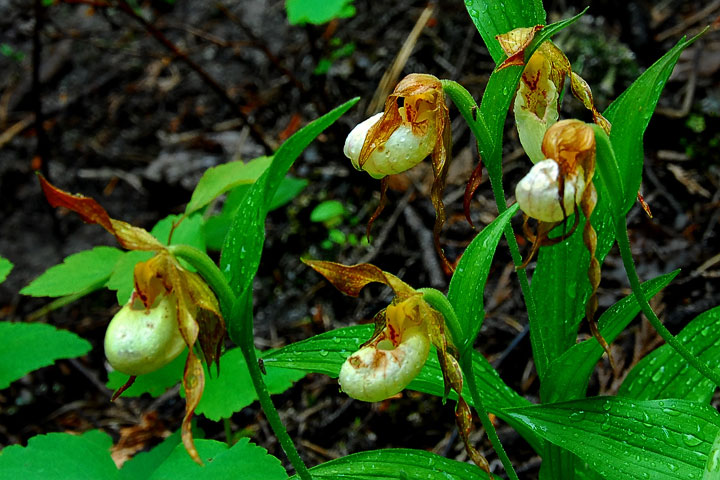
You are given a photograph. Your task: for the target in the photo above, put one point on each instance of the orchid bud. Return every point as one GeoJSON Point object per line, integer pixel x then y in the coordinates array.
{"type": "Point", "coordinates": [409, 129]}
{"type": "Point", "coordinates": [402, 151]}
{"type": "Point", "coordinates": [538, 193]}
{"type": "Point", "coordinates": [140, 340]}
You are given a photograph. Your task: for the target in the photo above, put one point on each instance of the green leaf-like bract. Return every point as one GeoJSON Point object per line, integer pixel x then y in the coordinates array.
{"type": "Point", "coordinates": [468, 282]}
{"type": "Point", "coordinates": [28, 346]}
{"type": "Point", "coordinates": [626, 439]}
{"type": "Point", "coordinates": [665, 374]}
{"type": "Point", "coordinates": [388, 464]}
{"type": "Point", "coordinates": [84, 271]}
{"type": "Point", "coordinates": [60, 456]}
{"type": "Point", "coordinates": [6, 267]}
{"type": "Point", "coordinates": [241, 252]}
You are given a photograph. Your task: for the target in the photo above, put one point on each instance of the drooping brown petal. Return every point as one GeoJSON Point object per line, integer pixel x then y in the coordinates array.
{"type": "Point", "coordinates": [125, 386]}
{"type": "Point", "coordinates": [644, 205]}
{"type": "Point", "coordinates": [381, 206]}
{"type": "Point", "coordinates": [472, 185]}
{"type": "Point", "coordinates": [582, 92]}
{"type": "Point", "coordinates": [514, 44]}
{"type": "Point", "coordinates": [132, 238]}
{"type": "Point", "coordinates": [208, 317]}
{"type": "Point", "coordinates": [351, 279]}
{"type": "Point", "coordinates": [440, 163]}
{"type": "Point", "coordinates": [194, 384]}
{"type": "Point", "coordinates": [463, 417]}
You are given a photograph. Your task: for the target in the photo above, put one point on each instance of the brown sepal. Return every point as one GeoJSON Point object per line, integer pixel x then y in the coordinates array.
{"type": "Point", "coordinates": [463, 417]}
{"type": "Point", "coordinates": [381, 206]}
{"type": "Point", "coordinates": [351, 279]}
{"type": "Point", "coordinates": [514, 44]}
{"type": "Point", "coordinates": [644, 205]}
{"type": "Point", "coordinates": [132, 238]}
{"type": "Point", "coordinates": [472, 185]}
{"type": "Point", "coordinates": [120, 390]}
{"type": "Point", "coordinates": [441, 162]}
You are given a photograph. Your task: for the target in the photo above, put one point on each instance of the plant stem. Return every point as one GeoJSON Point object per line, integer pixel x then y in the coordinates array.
{"type": "Point", "coordinates": [466, 364]}
{"type": "Point", "coordinates": [439, 302]}
{"type": "Point", "coordinates": [626, 254]}
{"type": "Point", "coordinates": [238, 314]}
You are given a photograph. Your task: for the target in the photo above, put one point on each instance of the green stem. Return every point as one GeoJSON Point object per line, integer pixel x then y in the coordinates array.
{"type": "Point", "coordinates": [439, 302]}
{"type": "Point", "coordinates": [466, 364]}
{"type": "Point", "coordinates": [626, 254]}
{"type": "Point", "coordinates": [239, 312]}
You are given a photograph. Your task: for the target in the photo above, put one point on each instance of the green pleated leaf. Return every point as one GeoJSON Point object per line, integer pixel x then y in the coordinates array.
{"type": "Point", "coordinates": [154, 383]}
{"type": "Point", "coordinates": [81, 272]}
{"type": "Point", "coordinates": [242, 461]}
{"type": "Point", "coordinates": [394, 464]}
{"type": "Point", "coordinates": [712, 467]}
{"type": "Point", "coordinates": [6, 267]}
{"type": "Point", "coordinates": [626, 439]}
{"type": "Point", "coordinates": [325, 353]}
{"type": "Point", "coordinates": [29, 346]}
{"type": "Point", "coordinates": [223, 178]}
{"type": "Point", "coordinates": [243, 245]}
{"type": "Point", "coordinates": [568, 376]}
{"type": "Point", "coordinates": [665, 374]}
{"type": "Point", "coordinates": [60, 456]}
{"type": "Point", "coordinates": [493, 18]}
{"type": "Point", "coordinates": [630, 114]}
{"type": "Point", "coordinates": [232, 390]}
{"type": "Point", "coordinates": [467, 285]}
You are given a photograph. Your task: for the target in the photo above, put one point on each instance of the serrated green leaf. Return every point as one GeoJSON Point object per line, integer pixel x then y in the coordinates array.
{"type": "Point", "coordinates": [60, 456]}
{"type": "Point", "coordinates": [665, 374]}
{"type": "Point", "coordinates": [188, 232]}
{"type": "Point", "coordinates": [567, 376]}
{"type": "Point", "coordinates": [243, 245]}
{"type": "Point", "coordinates": [155, 383]}
{"type": "Point", "coordinates": [630, 114]}
{"type": "Point", "coordinates": [6, 267]}
{"type": "Point", "coordinates": [242, 461]}
{"type": "Point", "coordinates": [325, 353]}
{"type": "Point", "coordinates": [232, 390]}
{"type": "Point", "coordinates": [29, 346]}
{"type": "Point", "coordinates": [626, 439]}
{"type": "Point", "coordinates": [84, 271]}
{"type": "Point", "coordinates": [467, 285]}
{"type": "Point", "coordinates": [142, 465]}
{"type": "Point", "coordinates": [317, 12]}
{"type": "Point", "coordinates": [222, 178]}
{"type": "Point", "coordinates": [391, 463]}
{"type": "Point", "coordinates": [122, 277]}
{"type": "Point", "coordinates": [492, 18]}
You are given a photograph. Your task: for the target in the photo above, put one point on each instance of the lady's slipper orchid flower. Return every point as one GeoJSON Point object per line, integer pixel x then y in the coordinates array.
{"type": "Point", "coordinates": [414, 124]}
{"type": "Point", "coordinates": [400, 345]}
{"type": "Point", "coordinates": [166, 297]}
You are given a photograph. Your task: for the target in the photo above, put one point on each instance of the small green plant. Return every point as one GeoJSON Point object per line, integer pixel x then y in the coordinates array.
{"type": "Point", "coordinates": [575, 200]}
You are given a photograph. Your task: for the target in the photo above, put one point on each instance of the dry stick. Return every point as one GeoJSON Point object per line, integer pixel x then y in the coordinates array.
{"type": "Point", "coordinates": [255, 132]}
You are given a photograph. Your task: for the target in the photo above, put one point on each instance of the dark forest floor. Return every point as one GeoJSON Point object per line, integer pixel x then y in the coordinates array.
{"type": "Point", "coordinates": [135, 128]}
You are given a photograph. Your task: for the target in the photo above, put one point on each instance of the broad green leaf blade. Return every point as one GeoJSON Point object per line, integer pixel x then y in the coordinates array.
{"type": "Point", "coordinates": [232, 390]}
{"type": "Point", "coordinates": [6, 267]}
{"type": "Point", "coordinates": [665, 374]}
{"type": "Point", "coordinates": [84, 271]}
{"type": "Point", "coordinates": [60, 456]}
{"type": "Point", "coordinates": [289, 188]}
{"type": "Point", "coordinates": [243, 245]}
{"type": "Point", "coordinates": [625, 439]}
{"type": "Point", "coordinates": [325, 353]}
{"type": "Point", "coordinates": [493, 18]}
{"type": "Point", "coordinates": [242, 461]}
{"type": "Point", "coordinates": [567, 376]}
{"type": "Point", "coordinates": [29, 346]}
{"type": "Point", "coordinates": [630, 114]}
{"type": "Point", "coordinates": [188, 231]}
{"type": "Point", "coordinates": [467, 285]}
{"type": "Point", "coordinates": [122, 277]}
{"type": "Point", "coordinates": [317, 12]}
{"type": "Point", "coordinates": [222, 178]}
{"type": "Point", "coordinates": [141, 466]}
{"type": "Point", "coordinates": [712, 467]}
{"type": "Point", "coordinates": [327, 211]}
{"type": "Point", "coordinates": [395, 463]}
{"type": "Point", "coordinates": [155, 383]}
